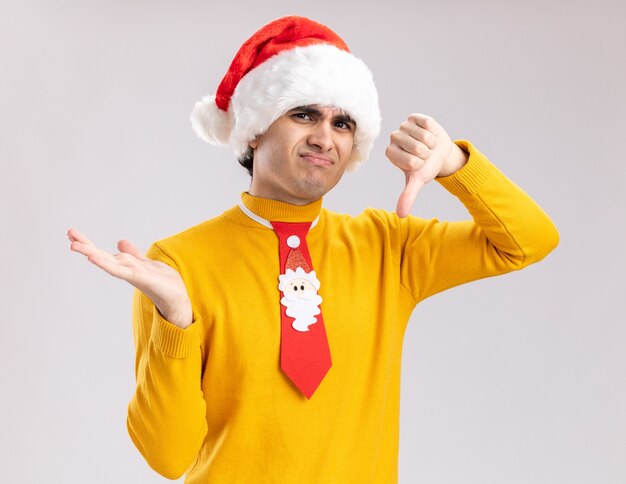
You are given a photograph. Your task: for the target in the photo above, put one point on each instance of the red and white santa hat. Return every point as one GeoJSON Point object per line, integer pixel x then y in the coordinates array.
{"type": "Point", "coordinates": [290, 62]}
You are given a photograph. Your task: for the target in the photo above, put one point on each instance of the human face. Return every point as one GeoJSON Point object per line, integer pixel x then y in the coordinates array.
{"type": "Point", "coordinates": [302, 155]}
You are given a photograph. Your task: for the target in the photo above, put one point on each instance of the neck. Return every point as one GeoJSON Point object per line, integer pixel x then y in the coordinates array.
{"type": "Point", "coordinates": [279, 210]}
{"type": "Point", "coordinates": [279, 197]}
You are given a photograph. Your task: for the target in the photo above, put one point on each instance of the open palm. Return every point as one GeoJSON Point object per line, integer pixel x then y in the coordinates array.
{"type": "Point", "coordinates": [157, 280]}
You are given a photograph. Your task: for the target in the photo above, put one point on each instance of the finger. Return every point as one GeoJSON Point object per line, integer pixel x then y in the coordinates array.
{"type": "Point", "coordinates": [128, 247]}
{"type": "Point", "coordinates": [82, 248]}
{"type": "Point", "coordinates": [91, 252]}
{"type": "Point", "coordinates": [418, 133]}
{"type": "Point", "coordinates": [410, 141]}
{"type": "Point", "coordinates": [122, 268]}
{"type": "Point", "coordinates": [402, 159]}
{"type": "Point", "coordinates": [426, 122]}
{"type": "Point", "coordinates": [408, 195]}
{"type": "Point", "coordinates": [75, 235]}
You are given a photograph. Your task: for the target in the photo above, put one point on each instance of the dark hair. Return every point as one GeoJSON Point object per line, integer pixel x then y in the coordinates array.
{"type": "Point", "coordinates": [246, 160]}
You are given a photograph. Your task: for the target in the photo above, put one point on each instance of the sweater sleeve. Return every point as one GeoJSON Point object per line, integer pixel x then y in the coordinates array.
{"type": "Point", "coordinates": [166, 415]}
{"type": "Point", "coordinates": [509, 231]}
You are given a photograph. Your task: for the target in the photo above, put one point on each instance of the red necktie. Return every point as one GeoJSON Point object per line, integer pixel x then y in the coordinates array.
{"type": "Point", "coordinates": [304, 350]}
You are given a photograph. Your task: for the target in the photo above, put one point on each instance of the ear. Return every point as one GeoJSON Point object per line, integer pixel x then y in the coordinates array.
{"type": "Point", "coordinates": [254, 143]}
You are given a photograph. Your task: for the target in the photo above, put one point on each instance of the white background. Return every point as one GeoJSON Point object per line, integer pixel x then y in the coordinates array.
{"type": "Point", "coordinates": [515, 379]}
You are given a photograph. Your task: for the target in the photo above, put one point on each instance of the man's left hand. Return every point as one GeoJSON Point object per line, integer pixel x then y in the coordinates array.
{"type": "Point", "coordinates": [422, 150]}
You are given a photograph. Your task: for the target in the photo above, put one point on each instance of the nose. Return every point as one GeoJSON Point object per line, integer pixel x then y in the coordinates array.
{"type": "Point", "coordinates": [321, 136]}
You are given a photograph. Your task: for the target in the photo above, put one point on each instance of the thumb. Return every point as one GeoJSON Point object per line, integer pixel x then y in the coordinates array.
{"type": "Point", "coordinates": [413, 185]}
{"type": "Point", "coordinates": [128, 247]}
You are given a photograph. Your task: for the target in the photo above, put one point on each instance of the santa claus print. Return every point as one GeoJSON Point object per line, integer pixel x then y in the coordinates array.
{"type": "Point", "coordinates": [300, 297]}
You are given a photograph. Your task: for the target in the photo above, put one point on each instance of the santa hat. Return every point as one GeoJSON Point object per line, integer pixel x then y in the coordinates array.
{"type": "Point", "coordinates": [295, 258]}
{"type": "Point", "coordinates": [290, 62]}
{"type": "Point", "coordinates": [296, 266]}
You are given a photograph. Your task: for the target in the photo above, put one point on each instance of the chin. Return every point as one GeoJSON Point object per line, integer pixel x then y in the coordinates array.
{"type": "Point", "coordinates": [311, 191]}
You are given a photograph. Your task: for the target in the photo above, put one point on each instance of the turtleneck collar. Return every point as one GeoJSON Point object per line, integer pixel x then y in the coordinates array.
{"type": "Point", "coordinates": [280, 211]}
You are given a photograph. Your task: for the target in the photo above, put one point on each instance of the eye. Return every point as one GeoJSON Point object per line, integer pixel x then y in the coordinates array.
{"type": "Point", "coordinates": [302, 288]}
{"type": "Point", "coordinates": [343, 125]}
{"type": "Point", "coordinates": [304, 116]}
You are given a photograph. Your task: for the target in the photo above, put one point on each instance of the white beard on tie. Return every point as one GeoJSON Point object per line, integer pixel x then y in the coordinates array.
{"type": "Point", "coordinates": [300, 297]}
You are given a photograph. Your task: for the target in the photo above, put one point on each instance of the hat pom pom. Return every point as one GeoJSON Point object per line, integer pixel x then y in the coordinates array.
{"type": "Point", "coordinates": [211, 123]}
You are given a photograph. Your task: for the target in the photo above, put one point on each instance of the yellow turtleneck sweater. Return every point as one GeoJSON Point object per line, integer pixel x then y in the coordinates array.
{"type": "Point", "coordinates": [211, 399]}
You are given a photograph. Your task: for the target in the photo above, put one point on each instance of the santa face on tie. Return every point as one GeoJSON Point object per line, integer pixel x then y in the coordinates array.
{"type": "Point", "coordinates": [300, 297]}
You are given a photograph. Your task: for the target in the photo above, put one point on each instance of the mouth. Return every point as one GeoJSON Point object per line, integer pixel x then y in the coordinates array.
{"type": "Point", "coordinates": [317, 160]}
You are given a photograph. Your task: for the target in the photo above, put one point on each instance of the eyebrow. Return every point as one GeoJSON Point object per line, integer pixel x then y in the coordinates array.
{"type": "Point", "coordinates": [313, 111]}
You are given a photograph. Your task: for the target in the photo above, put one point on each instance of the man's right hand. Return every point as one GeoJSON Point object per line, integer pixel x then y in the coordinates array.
{"type": "Point", "coordinates": [160, 282]}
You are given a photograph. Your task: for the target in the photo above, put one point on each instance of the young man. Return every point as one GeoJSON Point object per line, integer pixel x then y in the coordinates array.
{"type": "Point", "coordinates": [269, 338]}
